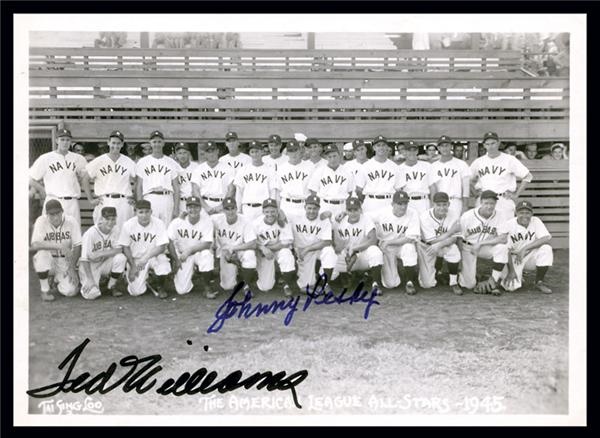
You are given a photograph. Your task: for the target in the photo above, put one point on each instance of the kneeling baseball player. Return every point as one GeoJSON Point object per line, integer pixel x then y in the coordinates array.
{"type": "Point", "coordinates": [101, 256]}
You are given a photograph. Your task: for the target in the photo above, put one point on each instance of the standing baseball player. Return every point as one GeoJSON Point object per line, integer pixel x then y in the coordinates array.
{"type": "Point", "coordinates": [483, 237]}
{"type": "Point", "coordinates": [332, 183]}
{"type": "Point", "coordinates": [498, 172]}
{"type": "Point", "coordinates": [57, 174]}
{"type": "Point", "coordinates": [451, 176]}
{"type": "Point", "coordinates": [314, 153]}
{"type": "Point", "coordinates": [255, 182]}
{"type": "Point", "coordinates": [113, 174]}
{"type": "Point", "coordinates": [274, 244]}
{"type": "Point", "coordinates": [313, 241]}
{"type": "Point", "coordinates": [275, 157]}
{"type": "Point", "coordinates": [375, 180]}
{"type": "Point", "coordinates": [397, 229]}
{"type": "Point", "coordinates": [212, 181]}
{"type": "Point", "coordinates": [235, 241]}
{"type": "Point", "coordinates": [360, 157]}
{"type": "Point", "coordinates": [56, 239]}
{"type": "Point", "coordinates": [293, 177]}
{"type": "Point", "coordinates": [234, 158]}
{"type": "Point", "coordinates": [144, 240]}
{"type": "Point", "coordinates": [440, 229]}
{"type": "Point", "coordinates": [414, 178]}
{"type": "Point", "coordinates": [101, 256]}
{"type": "Point", "coordinates": [183, 156]}
{"type": "Point", "coordinates": [190, 244]}
{"type": "Point", "coordinates": [529, 246]}
{"type": "Point", "coordinates": [158, 180]}
{"type": "Point", "coordinates": [355, 243]}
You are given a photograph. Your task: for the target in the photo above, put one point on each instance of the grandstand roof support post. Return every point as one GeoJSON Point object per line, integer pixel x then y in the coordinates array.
{"type": "Point", "coordinates": [144, 40]}
{"type": "Point", "coordinates": [310, 41]}
{"type": "Point", "coordinates": [473, 151]}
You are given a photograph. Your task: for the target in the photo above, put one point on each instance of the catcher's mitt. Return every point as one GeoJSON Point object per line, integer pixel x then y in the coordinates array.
{"type": "Point", "coordinates": [485, 287]}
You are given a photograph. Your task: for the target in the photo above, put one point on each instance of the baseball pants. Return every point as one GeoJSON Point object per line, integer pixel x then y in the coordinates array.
{"type": "Point", "coordinates": [44, 261]}
{"type": "Point", "coordinates": [468, 274]}
{"type": "Point", "coordinates": [505, 207]}
{"type": "Point", "coordinates": [373, 207]}
{"type": "Point", "coordinates": [266, 267]}
{"type": "Point", "coordinates": [104, 268]}
{"type": "Point", "coordinates": [292, 208]}
{"type": "Point", "coordinates": [450, 253]}
{"type": "Point", "coordinates": [162, 207]}
{"type": "Point", "coordinates": [204, 260]}
{"type": "Point", "coordinates": [420, 205]}
{"type": "Point", "coordinates": [335, 209]}
{"type": "Point", "coordinates": [159, 264]}
{"type": "Point", "coordinates": [306, 266]}
{"type": "Point", "coordinates": [370, 257]}
{"type": "Point", "coordinates": [70, 207]}
{"type": "Point", "coordinates": [122, 205]}
{"type": "Point", "coordinates": [541, 256]}
{"type": "Point", "coordinates": [389, 272]}
{"type": "Point", "coordinates": [229, 271]}
{"type": "Point", "coordinates": [251, 212]}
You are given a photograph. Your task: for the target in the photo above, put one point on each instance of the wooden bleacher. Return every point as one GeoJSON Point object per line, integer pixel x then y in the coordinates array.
{"type": "Point", "coordinates": [329, 94]}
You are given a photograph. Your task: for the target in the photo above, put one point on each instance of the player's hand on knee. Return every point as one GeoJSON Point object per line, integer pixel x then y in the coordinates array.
{"type": "Point", "coordinates": [132, 274]}
{"type": "Point", "coordinates": [72, 276]}
{"type": "Point", "coordinates": [340, 216]}
{"type": "Point", "coordinates": [511, 277]}
{"type": "Point", "coordinates": [325, 215]}
{"type": "Point", "coordinates": [268, 254]}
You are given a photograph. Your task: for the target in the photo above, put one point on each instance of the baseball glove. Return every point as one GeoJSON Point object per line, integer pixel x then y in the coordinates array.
{"type": "Point", "coordinates": [485, 287]}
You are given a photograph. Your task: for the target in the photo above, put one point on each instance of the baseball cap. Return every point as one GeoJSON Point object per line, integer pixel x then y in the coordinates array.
{"type": "Point", "coordinates": [400, 197]}
{"type": "Point", "coordinates": [330, 148]}
{"type": "Point", "coordinates": [63, 133]}
{"type": "Point", "coordinates": [157, 134]}
{"type": "Point", "coordinates": [379, 139]}
{"type": "Point", "coordinates": [348, 147]}
{"type": "Point", "coordinates": [108, 212]}
{"type": "Point", "coordinates": [53, 205]}
{"type": "Point", "coordinates": [524, 205]}
{"type": "Point", "coordinates": [444, 139]}
{"type": "Point", "coordinates": [274, 138]}
{"type": "Point", "coordinates": [411, 145]}
{"type": "Point", "coordinates": [254, 145]}
{"type": "Point", "coordinates": [143, 204]}
{"type": "Point", "coordinates": [181, 145]}
{"type": "Point", "coordinates": [117, 134]}
{"type": "Point", "coordinates": [193, 200]}
{"type": "Point", "coordinates": [441, 197]}
{"type": "Point", "coordinates": [314, 200]}
{"type": "Point", "coordinates": [292, 146]}
{"type": "Point", "coordinates": [352, 202]}
{"type": "Point", "coordinates": [311, 140]}
{"type": "Point", "coordinates": [270, 202]}
{"type": "Point", "coordinates": [490, 135]}
{"type": "Point", "coordinates": [231, 136]}
{"type": "Point", "coordinates": [229, 202]}
{"type": "Point", "coordinates": [207, 146]}
{"type": "Point", "coordinates": [489, 194]}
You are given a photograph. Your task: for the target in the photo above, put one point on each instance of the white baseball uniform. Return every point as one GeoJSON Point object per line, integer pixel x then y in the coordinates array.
{"type": "Point", "coordinates": [477, 229]}
{"type": "Point", "coordinates": [185, 183]}
{"type": "Point", "coordinates": [333, 187]}
{"type": "Point", "coordinates": [140, 241]}
{"type": "Point", "coordinates": [112, 184]}
{"type": "Point", "coordinates": [157, 175]}
{"type": "Point", "coordinates": [275, 163]}
{"type": "Point", "coordinates": [95, 240]}
{"type": "Point", "coordinates": [55, 261]}
{"type": "Point", "coordinates": [377, 179]}
{"type": "Point", "coordinates": [184, 234]}
{"type": "Point", "coordinates": [353, 166]}
{"type": "Point", "coordinates": [307, 232]}
{"type": "Point", "coordinates": [268, 234]}
{"type": "Point", "coordinates": [60, 176]}
{"type": "Point", "coordinates": [213, 182]}
{"type": "Point", "coordinates": [354, 234]}
{"type": "Point", "coordinates": [388, 227]}
{"type": "Point", "coordinates": [293, 186]}
{"type": "Point", "coordinates": [433, 227]}
{"type": "Point", "coordinates": [448, 178]}
{"type": "Point", "coordinates": [518, 237]}
{"type": "Point", "coordinates": [415, 180]}
{"type": "Point", "coordinates": [236, 162]}
{"type": "Point", "coordinates": [255, 184]}
{"type": "Point", "coordinates": [499, 175]}
{"type": "Point", "coordinates": [228, 235]}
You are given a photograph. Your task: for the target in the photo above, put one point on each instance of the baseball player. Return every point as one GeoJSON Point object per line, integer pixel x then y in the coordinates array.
{"type": "Point", "coordinates": [235, 158]}
{"type": "Point", "coordinates": [190, 244]}
{"type": "Point", "coordinates": [56, 239]}
{"type": "Point", "coordinates": [414, 178]}
{"type": "Point", "coordinates": [498, 172]}
{"type": "Point", "coordinates": [375, 180]}
{"type": "Point", "coordinates": [314, 153]}
{"type": "Point", "coordinates": [355, 243]}
{"type": "Point", "coordinates": [332, 183]}
{"type": "Point", "coordinates": [483, 236]}
{"type": "Point", "coordinates": [397, 229]}
{"type": "Point", "coordinates": [183, 156]}
{"type": "Point", "coordinates": [293, 177]}
{"type": "Point", "coordinates": [144, 240]}
{"type": "Point", "coordinates": [360, 157]}
{"type": "Point", "coordinates": [60, 171]}
{"type": "Point", "coordinates": [274, 243]}
{"type": "Point", "coordinates": [440, 228]}
{"type": "Point", "coordinates": [312, 241]}
{"type": "Point", "coordinates": [101, 256]}
{"type": "Point", "coordinates": [275, 157]}
{"type": "Point", "coordinates": [212, 181]}
{"type": "Point", "coordinates": [254, 183]}
{"type": "Point", "coordinates": [113, 174]}
{"type": "Point", "coordinates": [235, 241]}
{"type": "Point", "coordinates": [158, 180]}
{"type": "Point", "coordinates": [529, 246]}
{"type": "Point", "coordinates": [451, 176]}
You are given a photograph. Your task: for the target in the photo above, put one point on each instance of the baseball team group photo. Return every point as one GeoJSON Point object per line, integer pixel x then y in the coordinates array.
{"type": "Point", "coordinates": [169, 172]}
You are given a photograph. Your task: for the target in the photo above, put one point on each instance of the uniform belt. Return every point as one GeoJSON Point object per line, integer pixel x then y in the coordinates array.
{"type": "Point", "coordinates": [182, 199]}
{"type": "Point", "coordinates": [416, 198]}
{"type": "Point", "coordinates": [56, 256]}
{"type": "Point", "coordinates": [212, 199]}
{"type": "Point", "coordinates": [66, 197]}
{"type": "Point", "coordinates": [380, 196]}
{"type": "Point", "coordinates": [334, 201]}
{"type": "Point", "coordinates": [455, 197]}
{"type": "Point", "coordinates": [256, 204]}
{"type": "Point", "coordinates": [115, 195]}
{"type": "Point", "coordinates": [296, 201]}
{"type": "Point", "coordinates": [159, 192]}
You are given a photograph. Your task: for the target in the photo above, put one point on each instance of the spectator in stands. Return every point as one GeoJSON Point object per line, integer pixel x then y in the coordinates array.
{"type": "Point", "coordinates": [78, 149]}
{"type": "Point", "coordinates": [481, 150]}
{"type": "Point", "coordinates": [431, 152]}
{"type": "Point", "coordinates": [558, 151]}
{"type": "Point", "coordinates": [400, 155]}
{"type": "Point", "coordinates": [459, 151]}
{"type": "Point", "coordinates": [146, 149]}
{"type": "Point", "coordinates": [531, 152]}
{"type": "Point", "coordinates": [510, 149]}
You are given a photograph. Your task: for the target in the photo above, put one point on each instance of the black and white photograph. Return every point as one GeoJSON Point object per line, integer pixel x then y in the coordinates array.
{"type": "Point", "coordinates": [300, 219]}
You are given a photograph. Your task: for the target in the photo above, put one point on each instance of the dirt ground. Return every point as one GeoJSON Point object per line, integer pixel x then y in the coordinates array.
{"type": "Point", "coordinates": [429, 354]}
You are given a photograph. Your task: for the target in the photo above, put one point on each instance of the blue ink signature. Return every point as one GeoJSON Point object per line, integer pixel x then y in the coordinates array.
{"type": "Point", "coordinates": [318, 296]}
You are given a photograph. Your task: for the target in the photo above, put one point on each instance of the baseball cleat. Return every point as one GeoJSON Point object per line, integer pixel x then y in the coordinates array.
{"type": "Point", "coordinates": [496, 292]}
{"type": "Point", "coordinates": [115, 292]}
{"type": "Point", "coordinates": [457, 290]}
{"type": "Point", "coordinates": [374, 286]}
{"type": "Point", "coordinates": [47, 296]}
{"type": "Point", "coordinates": [410, 288]}
{"type": "Point", "coordinates": [211, 295]}
{"type": "Point", "coordinates": [542, 288]}
{"type": "Point", "coordinates": [287, 291]}
{"type": "Point", "coordinates": [162, 294]}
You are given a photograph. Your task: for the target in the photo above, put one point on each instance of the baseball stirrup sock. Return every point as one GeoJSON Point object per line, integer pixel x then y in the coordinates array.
{"type": "Point", "coordinates": [249, 277]}
{"type": "Point", "coordinates": [289, 278]}
{"type": "Point", "coordinates": [453, 268]}
{"type": "Point", "coordinates": [411, 274]}
{"type": "Point", "coordinates": [376, 274]}
{"type": "Point", "coordinates": [160, 281]}
{"type": "Point", "coordinates": [439, 263]}
{"type": "Point", "coordinates": [540, 273]}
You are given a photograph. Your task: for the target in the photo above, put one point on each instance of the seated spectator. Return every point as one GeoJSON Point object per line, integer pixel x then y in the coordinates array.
{"type": "Point", "coordinates": [481, 150]}
{"type": "Point", "coordinates": [558, 151]}
{"type": "Point", "coordinates": [459, 151]}
{"type": "Point", "coordinates": [146, 149]}
{"type": "Point", "coordinates": [510, 149]}
{"type": "Point", "coordinates": [531, 152]}
{"type": "Point", "coordinates": [78, 149]}
{"type": "Point", "coordinates": [89, 156]}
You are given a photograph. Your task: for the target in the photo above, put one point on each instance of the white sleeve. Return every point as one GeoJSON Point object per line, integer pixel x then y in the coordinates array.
{"type": "Point", "coordinates": [38, 169]}
{"type": "Point", "coordinates": [518, 168]}
{"type": "Point", "coordinates": [414, 226]}
{"type": "Point", "coordinates": [540, 228]}
{"type": "Point", "coordinates": [86, 246]}
{"type": "Point", "coordinates": [161, 234]}
{"type": "Point", "coordinates": [76, 236]}
{"type": "Point", "coordinates": [124, 236]}
{"type": "Point", "coordinates": [208, 234]}
{"type": "Point", "coordinates": [172, 229]}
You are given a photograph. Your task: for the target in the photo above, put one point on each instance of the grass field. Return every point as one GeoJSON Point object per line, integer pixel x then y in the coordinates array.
{"type": "Point", "coordinates": [423, 354]}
